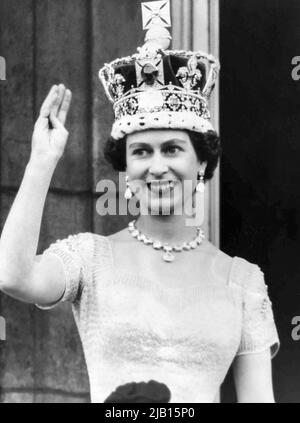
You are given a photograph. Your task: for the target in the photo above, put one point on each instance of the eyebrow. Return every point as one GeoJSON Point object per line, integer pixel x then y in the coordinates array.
{"type": "Point", "coordinates": [164, 144]}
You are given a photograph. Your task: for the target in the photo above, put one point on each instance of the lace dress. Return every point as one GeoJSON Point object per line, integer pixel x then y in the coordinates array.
{"type": "Point", "coordinates": [133, 330]}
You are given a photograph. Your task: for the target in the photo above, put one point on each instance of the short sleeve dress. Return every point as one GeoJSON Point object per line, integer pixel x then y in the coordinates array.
{"type": "Point", "coordinates": [134, 330]}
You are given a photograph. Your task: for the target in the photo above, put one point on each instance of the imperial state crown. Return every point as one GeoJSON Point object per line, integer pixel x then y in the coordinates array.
{"type": "Point", "coordinates": [157, 87]}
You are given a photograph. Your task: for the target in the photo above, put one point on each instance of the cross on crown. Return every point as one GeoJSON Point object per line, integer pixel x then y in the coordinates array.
{"type": "Point", "coordinates": [156, 13]}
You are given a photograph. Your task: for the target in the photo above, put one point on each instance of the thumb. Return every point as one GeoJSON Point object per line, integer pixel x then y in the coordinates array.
{"type": "Point", "coordinates": [55, 121]}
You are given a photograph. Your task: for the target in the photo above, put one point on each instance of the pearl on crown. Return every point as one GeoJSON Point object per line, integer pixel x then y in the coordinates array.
{"type": "Point", "coordinates": [158, 35]}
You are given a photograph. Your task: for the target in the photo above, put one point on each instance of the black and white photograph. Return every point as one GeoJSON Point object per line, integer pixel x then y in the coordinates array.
{"type": "Point", "coordinates": [150, 202]}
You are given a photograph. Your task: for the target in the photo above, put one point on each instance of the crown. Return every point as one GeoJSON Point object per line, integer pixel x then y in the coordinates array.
{"type": "Point", "coordinates": [157, 87]}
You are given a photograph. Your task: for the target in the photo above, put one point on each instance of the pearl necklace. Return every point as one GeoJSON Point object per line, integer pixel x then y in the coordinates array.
{"type": "Point", "coordinates": [168, 255]}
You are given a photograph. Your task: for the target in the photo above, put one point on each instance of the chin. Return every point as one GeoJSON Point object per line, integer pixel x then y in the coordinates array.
{"type": "Point", "coordinates": [161, 207]}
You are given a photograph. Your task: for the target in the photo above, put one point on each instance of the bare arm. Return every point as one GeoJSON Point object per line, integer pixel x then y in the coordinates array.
{"type": "Point", "coordinates": [253, 378]}
{"type": "Point", "coordinates": [24, 275]}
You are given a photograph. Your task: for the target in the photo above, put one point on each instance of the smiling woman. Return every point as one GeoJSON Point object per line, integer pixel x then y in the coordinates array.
{"type": "Point", "coordinates": [154, 301]}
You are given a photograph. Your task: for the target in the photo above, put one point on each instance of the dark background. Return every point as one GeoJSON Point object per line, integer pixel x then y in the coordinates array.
{"type": "Point", "coordinates": [260, 167]}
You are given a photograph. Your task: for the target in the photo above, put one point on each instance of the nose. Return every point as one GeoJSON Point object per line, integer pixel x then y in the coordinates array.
{"type": "Point", "coordinates": [158, 166]}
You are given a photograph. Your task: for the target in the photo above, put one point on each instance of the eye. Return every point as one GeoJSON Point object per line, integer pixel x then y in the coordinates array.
{"type": "Point", "coordinates": [140, 152]}
{"type": "Point", "coordinates": [172, 150]}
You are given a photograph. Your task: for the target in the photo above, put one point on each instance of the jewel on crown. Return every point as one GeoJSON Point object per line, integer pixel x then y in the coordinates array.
{"type": "Point", "coordinates": [155, 83]}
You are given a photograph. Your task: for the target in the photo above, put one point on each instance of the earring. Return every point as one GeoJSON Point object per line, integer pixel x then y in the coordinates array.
{"type": "Point", "coordinates": [200, 200]}
{"type": "Point", "coordinates": [128, 192]}
{"type": "Point", "coordinates": [201, 186]}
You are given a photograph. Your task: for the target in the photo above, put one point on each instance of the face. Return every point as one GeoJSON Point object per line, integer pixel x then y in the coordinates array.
{"type": "Point", "coordinates": [160, 162]}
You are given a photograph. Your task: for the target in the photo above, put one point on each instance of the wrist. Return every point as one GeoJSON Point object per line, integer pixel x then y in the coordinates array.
{"type": "Point", "coordinates": [40, 170]}
{"type": "Point", "coordinates": [44, 164]}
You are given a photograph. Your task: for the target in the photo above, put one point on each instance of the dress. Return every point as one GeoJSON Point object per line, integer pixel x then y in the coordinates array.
{"type": "Point", "coordinates": [133, 330]}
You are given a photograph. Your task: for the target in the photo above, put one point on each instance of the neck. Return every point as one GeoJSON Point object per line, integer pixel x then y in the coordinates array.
{"type": "Point", "coordinates": [167, 229]}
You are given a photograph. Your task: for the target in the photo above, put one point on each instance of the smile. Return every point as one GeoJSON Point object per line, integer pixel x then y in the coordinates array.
{"type": "Point", "coordinates": [160, 187]}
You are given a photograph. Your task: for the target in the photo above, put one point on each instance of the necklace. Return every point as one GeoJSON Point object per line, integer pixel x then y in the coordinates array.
{"type": "Point", "coordinates": [169, 250]}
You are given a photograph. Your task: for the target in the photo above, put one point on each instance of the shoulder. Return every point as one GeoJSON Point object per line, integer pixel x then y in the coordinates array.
{"type": "Point", "coordinates": [248, 276]}
{"type": "Point", "coordinates": [120, 236]}
{"type": "Point", "coordinates": [80, 242]}
{"type": "Point", "coordinates": [236, 270]}
{"type": "Point", "coordinates": [79, 245]}
{"type": "Point", "coordinates": [220, 263]}
{"type": "Point", "coordinates": [86, 249]}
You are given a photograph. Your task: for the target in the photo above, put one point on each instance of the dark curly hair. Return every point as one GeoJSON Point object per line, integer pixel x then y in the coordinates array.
{"type": "Point", "coordinates": [207, 147]}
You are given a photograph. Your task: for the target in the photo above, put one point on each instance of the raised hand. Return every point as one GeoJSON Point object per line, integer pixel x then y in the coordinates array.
{"type": "Point", "coordinates": [50, 135]}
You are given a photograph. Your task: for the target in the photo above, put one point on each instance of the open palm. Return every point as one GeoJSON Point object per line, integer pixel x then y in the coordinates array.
{"type": "Point", "coordinates": [50, 135]}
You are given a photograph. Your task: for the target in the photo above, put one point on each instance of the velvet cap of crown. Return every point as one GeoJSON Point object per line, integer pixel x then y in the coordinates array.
{"type": "Point", "coordinates": [159, 88]}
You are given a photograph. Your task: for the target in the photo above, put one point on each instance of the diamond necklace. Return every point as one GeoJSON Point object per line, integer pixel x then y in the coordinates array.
{"type": "Point", "coordinates": [168, 255]}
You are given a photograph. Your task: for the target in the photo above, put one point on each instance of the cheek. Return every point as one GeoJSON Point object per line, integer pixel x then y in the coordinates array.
{"type": "Point", "coordinates": [186, 167]}
{"type": "Point", "coordinates": [135, 168]}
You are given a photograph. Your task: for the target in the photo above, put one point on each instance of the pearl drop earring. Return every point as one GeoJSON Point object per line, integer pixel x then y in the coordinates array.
{"type": "Point", "coordinates": [200, 201]}
{"type": "Point", "coordinates": [201, 186]}
{"type": "Point", "coordinates": [128, 193]}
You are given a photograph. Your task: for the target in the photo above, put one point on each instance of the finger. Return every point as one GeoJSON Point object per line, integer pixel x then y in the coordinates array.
{"type": "Point", "coordinates": [58, 101]}
{"type": "Point", "coordinates": [65, 105]}
{"type": "Point", "coordinates": [55, 121]}
{"type": "Point", "coordinates": [48, 103]}
{"type": "Point", "coordinates": [45, 108]}
{"type": "Point", "coordinates": [42, 122]}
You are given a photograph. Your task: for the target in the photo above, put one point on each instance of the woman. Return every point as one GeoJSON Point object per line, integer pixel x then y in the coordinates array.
{"type": "Point", "coordinates": [155, 300]}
